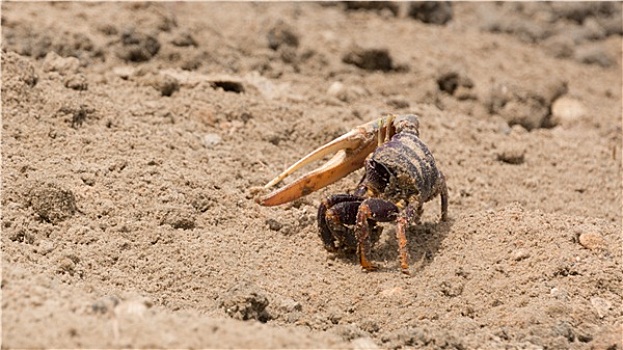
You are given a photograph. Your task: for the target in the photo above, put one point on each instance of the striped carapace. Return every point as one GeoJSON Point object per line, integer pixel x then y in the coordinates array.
{"type": "Point", "coordinates": [400, 176]}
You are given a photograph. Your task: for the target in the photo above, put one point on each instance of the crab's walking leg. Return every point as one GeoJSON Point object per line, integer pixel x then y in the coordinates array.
{"type": "Point", "coordinates": [411, 214]}
{"type": "Point", "coordinates": [335, 212]}
{"type": "Point", "coordinates": [401, 236]}
{"type": "Point", "coordinates": [374, 209]}
{"type": "Point", "coordinates": [443, 190]}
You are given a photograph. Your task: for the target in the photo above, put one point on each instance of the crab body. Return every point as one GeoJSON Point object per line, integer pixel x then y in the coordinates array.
{"type": "Point", "coordinates": [400, 176]}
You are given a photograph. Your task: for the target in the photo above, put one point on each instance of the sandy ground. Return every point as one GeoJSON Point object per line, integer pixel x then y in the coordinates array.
{"type": "Point", "coordinates": [133, 133]}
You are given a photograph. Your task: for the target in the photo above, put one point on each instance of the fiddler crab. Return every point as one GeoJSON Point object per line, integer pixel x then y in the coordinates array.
{"type": "Point", "coordinates": [400, 176]}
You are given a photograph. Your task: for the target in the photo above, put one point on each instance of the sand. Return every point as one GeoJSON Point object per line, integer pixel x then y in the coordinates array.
{"type": "Point", "coordinates": [133, 135]}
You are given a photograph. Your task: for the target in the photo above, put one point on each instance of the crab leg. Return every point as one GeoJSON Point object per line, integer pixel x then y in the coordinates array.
{"type": "Point", "coordinates": [352, 149]}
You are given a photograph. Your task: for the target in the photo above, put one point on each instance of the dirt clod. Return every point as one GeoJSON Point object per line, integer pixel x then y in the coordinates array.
{"type": "Point", "coordinates": [433, 12]}
{"type": "Point", "coordinates": [51, 202]}
{"type": "Point", "coordinates": [137, 46]}
{"type": "Point", "coordinates": [282, 34]}
{"type": "Point", "coordinates": [244, 303]}
{"type": "Point", "coordinates": [371, 59]}
{"type": "Point", "coordinates": [591, 240]}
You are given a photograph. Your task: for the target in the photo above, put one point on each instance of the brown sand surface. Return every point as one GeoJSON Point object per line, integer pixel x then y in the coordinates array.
{"type": "Point", "coordinates": [134, 133]}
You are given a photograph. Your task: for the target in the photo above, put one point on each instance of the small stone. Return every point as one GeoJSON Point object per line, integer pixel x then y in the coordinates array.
{"type": "Point", "coordinates": [51, 202]}
{"type": "Point", "coordinates": [512, 155]}
{"type": "Point", "coordinates": [167, 85]}
{"type": "Point", "coordinates": [520, 254]}
{"type": "Point", "coordinates": [363, 343]}
{"type": "Point", "coordinates": [371, 59]}
{"type": "Point", "coordinates": [346, 93]}
{"type": "Point", "coordinates": [274, 225]}
{"type": "Point", "coordinates": [336, 89]}
{"type": "Point", "coordinates": [77, 82]}
{"type": "Point", "coordinates": [287, 305]}
{"type": "Point", "coordinates": [391, 292]}
{"type": "Point", "coordinates": [245, 302]}
{"type": "Point", "coordinates": [380, 6]}
{"type": "Point", "coordinates": [184, 39]}
{"type": "Point", "coordinates": [432, 12]}
{"type": "Point", "coordinates": [137, 47]}
{"type": "Point", "coordinates": [45, 247]}
{"type": "Point", "coordinates": [567, 111]}
{"type": "Point", "coordinates": [210, 140]}
{"type": "Point", "coordinates": [601, 306]}
{"type": "Point", "coordinates": [178, 218]}
{"type": "Point", "coordinates": [282, 35]}
{"type": "Point", "coordinates": [591, 240]}
{"type": "Point", "coordinates": [123, 72]}
{"type": "Point", "coordinates": [63, 65]}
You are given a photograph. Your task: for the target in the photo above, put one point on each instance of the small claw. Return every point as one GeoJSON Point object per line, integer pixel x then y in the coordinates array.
{"type": "Point", "coordinates": [352, 149]}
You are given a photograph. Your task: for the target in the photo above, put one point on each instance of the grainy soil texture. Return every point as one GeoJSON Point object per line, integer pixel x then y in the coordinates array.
{"type": "Point", "coordinates": [135, 136]}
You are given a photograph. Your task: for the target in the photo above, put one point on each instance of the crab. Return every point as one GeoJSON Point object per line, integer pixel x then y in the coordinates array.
{"type": "Point", "coordinates": [400, 176]}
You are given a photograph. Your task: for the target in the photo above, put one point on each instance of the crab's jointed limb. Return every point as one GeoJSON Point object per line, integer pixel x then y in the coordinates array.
{"type": "Point", "coordinates": [351, 150]}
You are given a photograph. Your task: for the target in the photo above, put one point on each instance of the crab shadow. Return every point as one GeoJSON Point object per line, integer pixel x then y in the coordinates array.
{"type": "Point", "coordinates": [424, 241]}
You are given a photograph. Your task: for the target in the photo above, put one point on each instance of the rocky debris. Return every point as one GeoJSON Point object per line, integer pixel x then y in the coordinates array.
{"type": "Point", "coordinates": [62, 65]}
{"type": "Point", "coordinates": [591, 240]}
{"type": "Point", "coordinates": [51, 202]}
{"type": "Point", "coordinates": [390, 6]}
{"type": "Point", "coordinates": [245, 302]}
{"type": "Point", "coordinates": [578, 23]}
{"type": "Point", "coordinates": [432, 12]}
{"type": "Point", "coordinates": [511, 154]}
{"type": "Point", "coordinates": [282, 34]}
{"type": "Point", "coordinates": [67, 263]}
{"type": "Point", "coordinates": [567, 111]}
{"type": "Point", "coordinates": [184, 39]}
{"type": "Point", "coordinates": [346, 93]}
{"type": "Point", "coordinates": [164, 83]}
{"type": "Point", "coordinates": [76, 82]}
{"type": "Point", "coordinates": [273, 224]}
{"type": "Point", "coordinates": [457, 84]}
{"type": "Point", "coordinates": [137, 46]}
{"type": "Point", "coordinates": [528, 107]}
{"type": "Point", "coordinates": [371, 59]}
{"type": "Point", "coordinates": [602, 306]}
{"type": "Point", "coordinates": [362, 343]}
{"type": "Point", "coordinates": [228, 85]}
{"type": "Point", "coordinates": [520, 254]}
{"type": "Point", "coordinates": [211, 139]}
{"type": "Point", "coordinates": [178, 218]}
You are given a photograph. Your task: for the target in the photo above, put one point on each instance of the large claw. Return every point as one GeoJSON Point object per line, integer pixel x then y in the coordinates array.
{"type": "Point", "coordinates": [352, 149]}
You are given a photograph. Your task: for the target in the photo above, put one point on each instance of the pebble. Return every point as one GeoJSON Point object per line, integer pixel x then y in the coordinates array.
{"type": "Point", "coordinates": [567, 111]}
{"type": "Point", "coordinates": [512, 155]}
{"type": "Point", "coordinates": [210, 140]}
{"type": "Point", "coordinates": [432, 12]}
{"type": "Point", "coordinates": [520, 254]}
{"type": "Point", "coordinates": [63, 65]}
{"type": "Point", "coordinates": [363, 343]}
{"type": "Point", "coordinates": [345, 93]}
{"type": "Point", "coordinates": [371, 59]}
{"type": "Point", "coordinates": [591, 240]}
{"type": "Point", "coordinates": [52, 202]}
{"type": "Point", "coordinates": [601, 306]}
